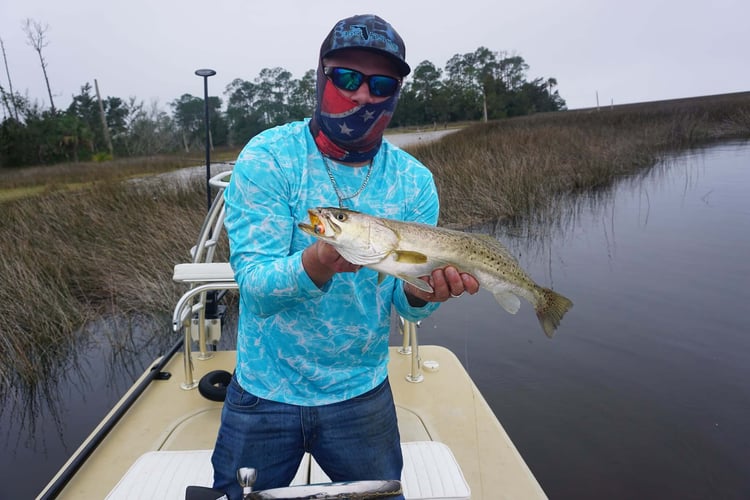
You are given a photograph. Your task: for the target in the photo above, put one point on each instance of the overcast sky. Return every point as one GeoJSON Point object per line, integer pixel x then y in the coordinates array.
{"type": "Point", "coordinates": [623, 50]}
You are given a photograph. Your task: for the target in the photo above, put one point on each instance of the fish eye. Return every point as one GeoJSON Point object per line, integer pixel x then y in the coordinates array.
{"type": "Point", "coordinates": [341, 217]}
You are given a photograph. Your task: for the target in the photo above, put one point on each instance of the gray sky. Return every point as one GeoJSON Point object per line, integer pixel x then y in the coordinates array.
{"type": "Point", "coordinates": [624, 50]}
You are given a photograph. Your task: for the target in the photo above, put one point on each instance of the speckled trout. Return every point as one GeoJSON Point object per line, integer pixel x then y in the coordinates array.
{"type": "Point", "coordinates": [409, 250]}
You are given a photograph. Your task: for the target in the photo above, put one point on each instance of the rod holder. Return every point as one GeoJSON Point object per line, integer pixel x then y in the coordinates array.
{"type": "Point", "coordinates": [415, 375]}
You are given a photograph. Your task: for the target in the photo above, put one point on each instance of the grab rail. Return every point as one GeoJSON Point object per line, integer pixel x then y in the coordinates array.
{"type": "Point", "coordinates": [182, 320]}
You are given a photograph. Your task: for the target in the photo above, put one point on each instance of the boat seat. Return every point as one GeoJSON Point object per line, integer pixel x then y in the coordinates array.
{"type": "Point", "coordinates": [430, 473]}
{"type": "Point", "coordinates": [165, 475]}
{"type": "Point", "coordinates": [203, 272]}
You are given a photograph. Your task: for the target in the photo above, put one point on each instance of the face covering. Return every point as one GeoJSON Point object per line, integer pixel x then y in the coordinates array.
{"type": "Point", "coordinates": [346, 131]}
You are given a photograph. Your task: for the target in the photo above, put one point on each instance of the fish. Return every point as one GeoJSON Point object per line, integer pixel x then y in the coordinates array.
{"type": "Point", "coordinates": [411, 250]}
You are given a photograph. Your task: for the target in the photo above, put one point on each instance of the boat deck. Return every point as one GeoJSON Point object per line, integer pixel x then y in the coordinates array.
{"type": "Point", "coordinates": [167, 417]}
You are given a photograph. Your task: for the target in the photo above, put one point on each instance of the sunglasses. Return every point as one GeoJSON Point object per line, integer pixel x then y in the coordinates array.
{"type": "Point", "coordinates": [351, 80]}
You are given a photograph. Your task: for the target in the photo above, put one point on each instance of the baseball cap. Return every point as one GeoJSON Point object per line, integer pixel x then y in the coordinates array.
{"type": "Point", "coordinates": [368, 32]}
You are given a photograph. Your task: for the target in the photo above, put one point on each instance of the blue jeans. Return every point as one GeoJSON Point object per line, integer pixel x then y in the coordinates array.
{"type": "Point", "coordinates": [352, 440]}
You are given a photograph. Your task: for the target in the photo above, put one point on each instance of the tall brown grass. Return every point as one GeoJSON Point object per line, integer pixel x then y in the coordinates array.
{"type": "Point", "coordinates": [69, 256]}
{"type": "Point", "coordinates": [512, 168]}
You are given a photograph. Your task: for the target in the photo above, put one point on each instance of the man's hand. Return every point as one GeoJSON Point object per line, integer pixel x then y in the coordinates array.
{"type": "Point", "coordinates": [446, 283]}
{"type": "Point", "coordinates": [321, 261]}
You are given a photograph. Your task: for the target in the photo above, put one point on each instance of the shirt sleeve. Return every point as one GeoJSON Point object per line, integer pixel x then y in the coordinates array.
{"type": "Point", "coordinates": [260, 226]}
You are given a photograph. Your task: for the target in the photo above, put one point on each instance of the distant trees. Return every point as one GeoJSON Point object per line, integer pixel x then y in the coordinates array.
{"type": "Point", "coordinates": [480, 85]}
{"type": "Point", "coordinates": [271, 99]}
{"type": "Point", "coordinates": [148, 130]}
{"type": "Point", "coordinates": [189, 116]}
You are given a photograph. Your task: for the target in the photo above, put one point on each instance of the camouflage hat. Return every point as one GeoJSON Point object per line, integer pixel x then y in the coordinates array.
{"type": "Point", "coordinates": [368, 32]}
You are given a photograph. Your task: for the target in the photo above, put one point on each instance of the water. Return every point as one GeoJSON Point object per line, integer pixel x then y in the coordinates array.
{"type": "Point", "coordinates": [41, 428]}
{"type": "Point", "coordinates": [644, 392]}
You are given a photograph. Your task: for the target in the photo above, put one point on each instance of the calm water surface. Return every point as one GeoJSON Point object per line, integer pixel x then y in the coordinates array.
{"type": "Point", "coordinates": [645, 390]}
{"type": "Point", "coordinates": [643, 393]}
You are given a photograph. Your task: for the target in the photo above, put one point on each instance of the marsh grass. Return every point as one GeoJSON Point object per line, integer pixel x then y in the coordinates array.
{"type": "Point", "coordinates": [514, 168]}
{"type": "Point", "coordinates": [71, 256]}
{"type": "Point", "coordinates": [95, 245]}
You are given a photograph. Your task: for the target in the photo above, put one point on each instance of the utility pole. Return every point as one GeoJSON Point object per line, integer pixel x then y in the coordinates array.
{"type": "Point", "coordinates": [105, 128]}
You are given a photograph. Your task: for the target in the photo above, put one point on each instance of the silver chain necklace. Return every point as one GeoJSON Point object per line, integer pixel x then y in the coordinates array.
{"type": "Point", "coordinates": [335, 185]}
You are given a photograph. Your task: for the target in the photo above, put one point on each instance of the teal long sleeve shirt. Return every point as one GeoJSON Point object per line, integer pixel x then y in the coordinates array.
{"type": "Point", "coordinates": [298, 343]}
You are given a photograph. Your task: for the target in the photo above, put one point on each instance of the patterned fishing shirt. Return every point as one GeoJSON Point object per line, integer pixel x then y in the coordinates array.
{"type": "Point", "coordinates": [297, 343]}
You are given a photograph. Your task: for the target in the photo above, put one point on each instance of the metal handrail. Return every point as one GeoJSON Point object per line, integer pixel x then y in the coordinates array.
{"type": "Point", "coordinates": [218, 181]}
{"type": "Point", "coordinates": [180, 319]}
{"type": "Point", "coordinates": [202, 252]}
{"type": "Point", "coordinates": [410, 346]}
{"type": "Point", "coordinates": [205, 248]}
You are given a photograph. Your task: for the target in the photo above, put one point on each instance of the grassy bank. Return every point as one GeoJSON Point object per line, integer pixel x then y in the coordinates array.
{"type": "Point", "coordinates": [16, 183]}
{"type": "Point", "coordinates": [70, 255]}
{"type": "Point", "coordinates": [512, 168]}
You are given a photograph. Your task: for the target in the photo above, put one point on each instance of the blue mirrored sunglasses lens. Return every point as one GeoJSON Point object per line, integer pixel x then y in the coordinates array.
{"type": "Point", "coordinates": [351, 80]}
{"type": "Point", "coordinates": [383, 86]}
{"type": "Point", "coordinates": [347, 79]}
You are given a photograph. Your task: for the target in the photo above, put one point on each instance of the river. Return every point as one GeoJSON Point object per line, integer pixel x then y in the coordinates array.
{"type": "Point", "coordinates": [644, 392]}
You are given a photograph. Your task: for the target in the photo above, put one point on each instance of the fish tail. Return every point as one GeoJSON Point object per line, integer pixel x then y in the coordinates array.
{"type": "Point", "coordinates": [550, 310]}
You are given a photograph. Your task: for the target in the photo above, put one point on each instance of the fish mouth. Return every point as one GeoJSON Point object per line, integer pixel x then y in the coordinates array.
{"type": "Point", "coordinates": [317, 226]}
{"type": "Point", "coordinates": [316, 223]}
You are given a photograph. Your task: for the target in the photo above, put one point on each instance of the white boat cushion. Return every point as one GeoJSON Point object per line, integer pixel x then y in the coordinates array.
{"type": "Point", "coordinates": [200, 272]}
{"type": "Point", "coordinates": [430, 472]}
{"type": "Point", "coordinates": [165, 475]}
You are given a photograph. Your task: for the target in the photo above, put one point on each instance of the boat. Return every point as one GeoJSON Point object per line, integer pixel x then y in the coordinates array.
{"type": "Point", "coordinates": [156, 442]}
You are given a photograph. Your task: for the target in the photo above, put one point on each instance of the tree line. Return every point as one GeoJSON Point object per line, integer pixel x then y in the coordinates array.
{"type": "Point", "coordinates": [481, 85]}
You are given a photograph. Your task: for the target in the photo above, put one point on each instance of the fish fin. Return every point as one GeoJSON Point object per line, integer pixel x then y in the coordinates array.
{"type": "Point", "coordinates": [421, 284]}
{"type": "Point", "coordinates": [551, 309]}
{"type": "Point", "coordinates": [410, 257]}
{"type": "Point", "coordinates": [509, 301]}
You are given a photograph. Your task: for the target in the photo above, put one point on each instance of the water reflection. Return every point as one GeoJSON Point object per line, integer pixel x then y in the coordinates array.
{"type": "Point", "coordinates": [643, 391]}
{"type": "Point", "coordinates": [562, 219]}
{"type": "Point", "coordinates": [44, 421]}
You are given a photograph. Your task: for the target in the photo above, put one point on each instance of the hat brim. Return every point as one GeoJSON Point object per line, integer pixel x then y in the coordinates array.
{"type": "Point", "coordinates": [401, 66]}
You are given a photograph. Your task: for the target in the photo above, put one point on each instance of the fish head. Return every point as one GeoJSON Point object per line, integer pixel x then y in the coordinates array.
{"type": "Point", "coordinates": [358, 237]}
{"type": "Point", "coordinates": [334, 224]}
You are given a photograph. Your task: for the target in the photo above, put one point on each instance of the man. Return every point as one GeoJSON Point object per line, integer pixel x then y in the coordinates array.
{"type": "Point", "coordinates": [312, 347]}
